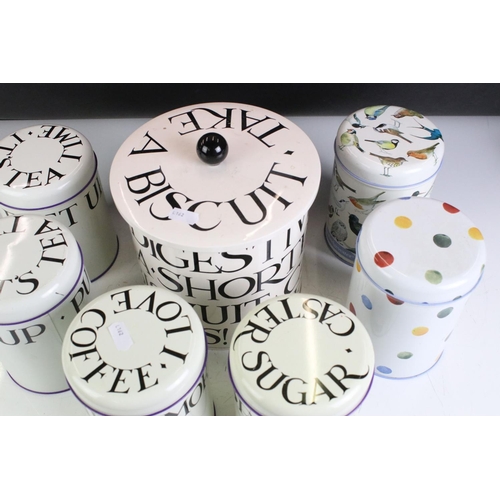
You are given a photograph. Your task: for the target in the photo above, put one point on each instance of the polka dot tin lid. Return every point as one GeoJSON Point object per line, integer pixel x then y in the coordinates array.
{"type": "Point", "coordinates": [389, 146]}
{"type": "Point", "coordinates": [43, 166]}
{"type": "Point", "coordinates": [421, 250]}
{"type": "Point", "coordinates": [301, 355]}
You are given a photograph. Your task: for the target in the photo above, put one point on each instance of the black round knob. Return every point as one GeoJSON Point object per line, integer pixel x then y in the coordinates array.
{"type": "Point", "coordinates": [212, 148]}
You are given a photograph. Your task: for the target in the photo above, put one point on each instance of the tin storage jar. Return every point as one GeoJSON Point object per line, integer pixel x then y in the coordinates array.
{"type": "Point", "coordinates": [51, 170]}
{"type": "Point", "coordinates": [418, 260]}
{"type": "Point", "coordinates": [300, 355]}
{"type": "Point", "coordinates": [381, 153]}
{"type": "Point", "coordinates": [216, 196]}
{"type": "Point", "coordinates": [43, 285]}
{"type": "Point", "coordinates": [138, 350]}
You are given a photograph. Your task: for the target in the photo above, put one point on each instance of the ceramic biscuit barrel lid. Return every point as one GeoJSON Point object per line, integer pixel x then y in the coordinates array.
{"type": "Point", "coordinates": [300, 355]}
{"type": "Point", "coordinates": [43, 285]}
{"type": "Point", "coordinates": [138, 350]}
{"type": "Point", "coordinates": [216, 196]}
{"type": "Point", "coordinates": [418, 260]}
{"type": "Point", "coordinates": [381, 153]}
{"type": "Point", "coordinates": [52, 170]}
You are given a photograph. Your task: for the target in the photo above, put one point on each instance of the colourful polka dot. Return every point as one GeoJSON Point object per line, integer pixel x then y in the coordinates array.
{"type": "Point", "coordinates": [383, 259]}
{"type": "Point", "coordinates": [442, 240]}
{"type": "Point", "coordinates": [420, 330]}
{"type": "Point", "coordinates": [405, 355]}
{"type": "Point", "coordinates": [403, 222]}
{"type": "Point", "coordinates": [358, 267]}
{"type": "Point", "coordinates": [392, 299]}
{"type": "Point", "coordinates": [384, 369]}
{"type": "Point", "coordinates": [444, 312]}
{"type": "Point", "coordinates": [450, 208]}
{"type": "Point", "coordinates": [366, 301]}
{"type": "Point", "coordinates": [475, 234]}
{"type": "Point", "coordinates": [434, 277]}
{"type": "Point", "coordinates": [351, 308]}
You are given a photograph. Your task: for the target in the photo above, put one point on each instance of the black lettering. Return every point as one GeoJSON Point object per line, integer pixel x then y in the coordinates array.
{"type": "Point", "coordinates": [146, 149]}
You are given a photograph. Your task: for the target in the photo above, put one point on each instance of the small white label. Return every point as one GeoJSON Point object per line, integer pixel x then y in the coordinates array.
{"type": "Point", "coordinates": [121, 336]}
{"type": "Point", "coordinates": [184, 216]}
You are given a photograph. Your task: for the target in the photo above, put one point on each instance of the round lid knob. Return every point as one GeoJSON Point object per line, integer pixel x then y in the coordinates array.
{"type": "Point", "coordinates": [212, 148]}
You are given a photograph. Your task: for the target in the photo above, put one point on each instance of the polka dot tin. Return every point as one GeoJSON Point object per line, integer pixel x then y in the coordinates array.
{"type": "Point", "coordinates": [138, 350]}
{"type": "Point", "coordinates": [418, 259]}
{"type": "Point", "coordinates": [51, 170]}
{"type": "Point", "coordinates": [300, 355]}
{"type": "Point", "coordinates": [382, 153]}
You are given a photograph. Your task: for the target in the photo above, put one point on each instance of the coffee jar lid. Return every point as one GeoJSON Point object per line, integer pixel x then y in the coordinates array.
{"type": "Point", "coordinates": [43, 166]}
{"type": "Point", "coordinates": [389, 146]}
{"type": "Point", "coordinates": [41, 264]}
{"type": "Point", "coordinates": [301, 354]}
{"type": "Point", "coordinates": [135, 350]}
{"type": "Point", "coordinates": [421, 250]}
{"type": "Point", "coordinates": [215, 175]}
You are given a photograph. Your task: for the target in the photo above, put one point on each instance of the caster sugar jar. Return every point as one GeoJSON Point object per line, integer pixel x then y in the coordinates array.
{"type": "Point", "coordinates": [216, 196]}
{"type": "Point", "coordinates": [43, 285]}
{"type": "Point", "coordinates": [382, 153]}
{"type": "Point", "coordinates": [418, 260]}
{"type": "Point", "coordinates": [51, 170]}
{"type": "Point", "coordinates": [300, 355]}
{"type": "Point", "coordinates": [138, 350]}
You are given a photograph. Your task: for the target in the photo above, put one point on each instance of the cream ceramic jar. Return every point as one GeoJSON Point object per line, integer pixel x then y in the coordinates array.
{"type": "Point", "coordinates": [381, 153]}
{"type": "Point", "coordinates": [216, 196]}
{"type": "Point", "coordinates": [43, 285]}
{"type": "Point", "coordinates": [51, 170]}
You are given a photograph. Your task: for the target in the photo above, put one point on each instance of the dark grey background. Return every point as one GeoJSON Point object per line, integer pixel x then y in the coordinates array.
{"type": "Point", "coordinates": [48, 101]}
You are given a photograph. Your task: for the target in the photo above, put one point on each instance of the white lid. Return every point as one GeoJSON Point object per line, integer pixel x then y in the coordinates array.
{"type": "Point", "coordinates": [422, 250]}
{"type": "Point", "coordinates": [43, 166]}
{"type": "Point", "coordinates": [389, 146]}
{"type": "Point", "coordinates": [271, 175]}
{"type": "Point", "coordinates": [40, 265]}
{"type": "Point", "coordinates": [301, 354]}
{"type": "Point", "coordinates": [135, 350]}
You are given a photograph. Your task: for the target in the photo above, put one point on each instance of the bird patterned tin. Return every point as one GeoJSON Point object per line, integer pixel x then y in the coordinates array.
{"type": "Point", "coordinates": [300, 355]}
{"type": "Point", "coordinates": [381, 153]}
{"type": "Point", "coordinates": [216, 196]}
{"type": "Point", "coordinates": [51, 170]}
{"type": "Point", "coordinates": [43, 285]}
{"type": "Point", "coordinates": [138, 350]}
{"type": "Point", "coordinates": [418, 260]}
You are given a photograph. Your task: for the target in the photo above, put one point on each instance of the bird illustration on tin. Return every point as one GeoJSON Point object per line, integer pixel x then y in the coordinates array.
{"type": "Point", "coordinates": [384, 129]}
{"type": "Point", "coordinates": [354, 224]}
{"type": "Point", "coordinates": [401, 113]}
{"type": "Point", "coordinates": [366, 205]}
{"type": "Point", "coordinates": [357, 122]}
{"type": "Point", "coordinates": [373, 112]}
{"type": "Point", "coordinates": [435, 134]}
{"type": "Point", "coordinates": [389, 162]}
{"type": "Point", "coordinates": [340, 182]}
{"type": "Point", "coordinates": [339, 231]}
{"type": "Point", "coordinates": [423, 154]}
{"type": "Point", "coordinates": [385, 145]}
{"type": "Point", "coordinates": [349, 138]}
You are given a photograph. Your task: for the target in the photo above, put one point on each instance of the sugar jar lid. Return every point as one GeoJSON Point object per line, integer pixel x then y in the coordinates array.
{"type": "Point", "coordinates": [421, 250]}
{"type": "Point", "coordinates": [43, 166]}
{"type": "Point", "coordinates": [301, 354]}
{"type": "Point", "coordinates": [40, 265]}
{"type": "Point", "coordinates": [215, 175]}
{"type": "Point", "coordinates": [389, 146]}
{"type": "Point", "coordinates": [135, 350]}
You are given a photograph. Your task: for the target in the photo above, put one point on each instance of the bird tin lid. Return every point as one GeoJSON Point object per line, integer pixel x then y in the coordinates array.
{"type": "Point", "coordinates": [421, 250]}
{"type": "Point", "coordinates": [389, 146]}
{"type": "Point", "coordinates": [44, 165]}
{"type": "Point", "coordinates": [135, 350]}
{"type": "Point", "coordinates": [215, 175]}
{"type": "Point", "coordinates": [41, 264]}
{"type": "Point", "coordinates": [301, 354]}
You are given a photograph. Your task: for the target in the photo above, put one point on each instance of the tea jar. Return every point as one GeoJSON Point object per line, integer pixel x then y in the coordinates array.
{"type": "Point", "coordinates": [418, 261]}
{"type": "Point", "coordinates": [216, 196]}
{"type": "Point", "coordinates": [43, 285]}
{"type": "Point", "coordinates": [138, 350]}
{"type": "Point", "coordinates": [51, 170]}
{"type": "Point", "coordinates": [382, 153]}
{"type": "Point", "coordinates": [300, 355]}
